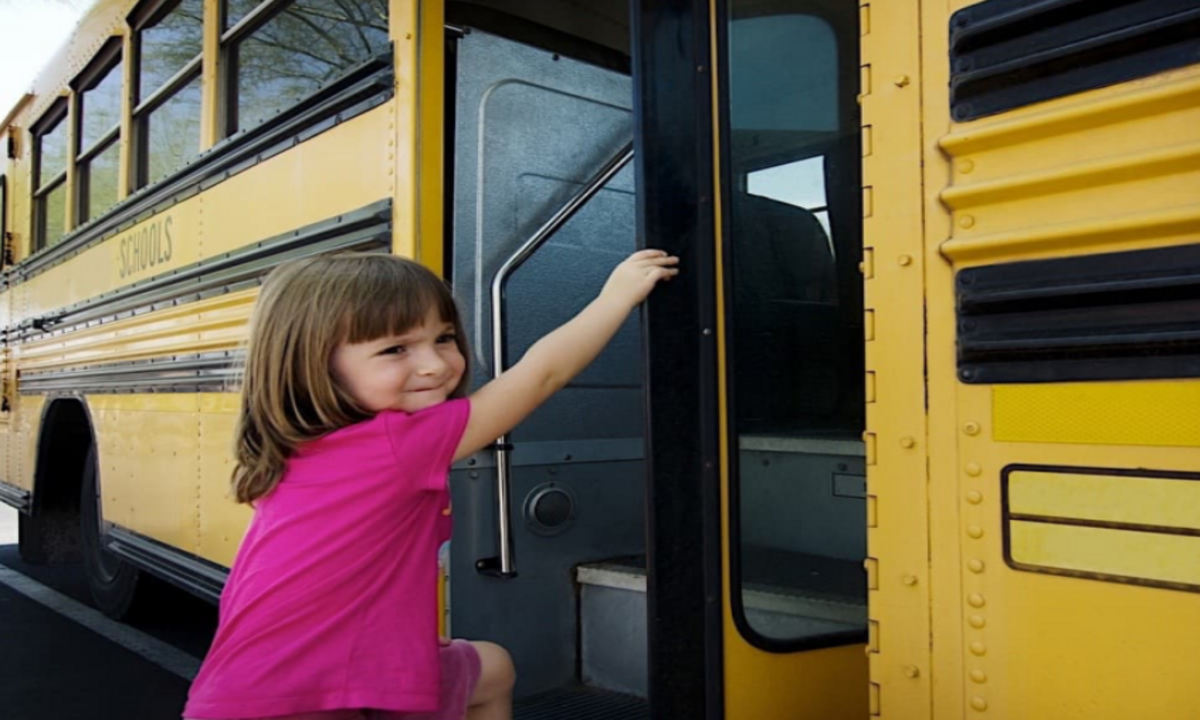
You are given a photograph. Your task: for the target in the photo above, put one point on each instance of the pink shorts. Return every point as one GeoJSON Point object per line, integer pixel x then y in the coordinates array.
{"type": "Point", "coordinates": [461, 668]}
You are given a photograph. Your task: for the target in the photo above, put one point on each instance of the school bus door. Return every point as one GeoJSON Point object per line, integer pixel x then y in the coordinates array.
{"type": "Point", "coordinates": [749, 168]}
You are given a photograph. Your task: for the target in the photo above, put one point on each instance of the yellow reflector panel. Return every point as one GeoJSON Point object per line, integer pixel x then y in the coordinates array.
{"type": "Point", "coordinates": [1161, 413]}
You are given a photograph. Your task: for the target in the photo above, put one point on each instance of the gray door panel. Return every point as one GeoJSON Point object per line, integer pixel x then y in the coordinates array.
{"type": "Point", "coordinates": [531, 130]}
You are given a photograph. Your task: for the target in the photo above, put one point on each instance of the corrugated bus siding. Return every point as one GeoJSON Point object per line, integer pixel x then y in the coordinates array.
{"type": "Point", "coordinates": [1102, 171]}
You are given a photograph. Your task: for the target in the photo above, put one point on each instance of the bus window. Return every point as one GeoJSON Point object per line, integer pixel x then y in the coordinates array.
{"type": "Point", "coordinates": [236, 10]}
{"type": "Point", "coordinates": [168, 39]}
{"type": "Point", "coordinates": [800, 183]}
{"type": "Point", "coordinates": [50, 177]}
{"type": "Point", "coordinates": [99, 140]}
{"type": "Point", "coordinates": [795, 339]}
{"type": "Point", "coordinates": [4, 248]}
{"type": "Point", "coordinates": [286, 56]}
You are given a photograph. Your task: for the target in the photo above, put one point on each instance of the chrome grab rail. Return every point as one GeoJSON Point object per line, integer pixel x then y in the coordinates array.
{"type": "Point", "coordinates": [504, 566]}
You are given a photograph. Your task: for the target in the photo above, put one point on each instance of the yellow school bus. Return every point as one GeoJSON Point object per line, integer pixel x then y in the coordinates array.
{"type": "Point", "coordinates": [916, 434]}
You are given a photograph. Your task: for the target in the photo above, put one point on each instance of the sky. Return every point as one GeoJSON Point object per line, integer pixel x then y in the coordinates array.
{"type": "Point", "coordinates": [30, 32]}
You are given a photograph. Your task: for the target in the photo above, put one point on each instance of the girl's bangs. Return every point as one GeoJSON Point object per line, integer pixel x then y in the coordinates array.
{"type": "Point", "coordinates": [413, 292]}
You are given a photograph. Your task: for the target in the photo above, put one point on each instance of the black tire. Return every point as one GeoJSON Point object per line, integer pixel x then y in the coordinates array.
{"type": "Point", "coordinates": [113, 582]}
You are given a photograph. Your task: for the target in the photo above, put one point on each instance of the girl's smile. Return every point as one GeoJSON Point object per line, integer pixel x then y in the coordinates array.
{"type": "Point", "coordinates": [409, 372]}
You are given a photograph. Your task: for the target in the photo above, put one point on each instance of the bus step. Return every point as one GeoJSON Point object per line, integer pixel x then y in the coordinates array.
{"type": "Point", "coordinates": [612, 623]}
{"type": "Point", "coordinates": [581, 703]}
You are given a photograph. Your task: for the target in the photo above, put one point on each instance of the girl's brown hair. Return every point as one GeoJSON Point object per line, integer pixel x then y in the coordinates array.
{"type": "Point", "coordinates": [306, 308]}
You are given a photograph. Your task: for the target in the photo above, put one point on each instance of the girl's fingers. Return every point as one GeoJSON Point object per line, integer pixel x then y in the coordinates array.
{"type": "Point", "coordinates": [658, 260]}
{"type": "Point", "coordinates": [647, 253]}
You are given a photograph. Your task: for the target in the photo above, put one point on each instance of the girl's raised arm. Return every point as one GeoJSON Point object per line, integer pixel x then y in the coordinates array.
{"type": "Point", "coordinates": [553, 361]}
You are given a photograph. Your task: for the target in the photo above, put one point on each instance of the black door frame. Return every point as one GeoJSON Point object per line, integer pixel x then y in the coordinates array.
{"type": "Point", "coordinates": [672, 77]}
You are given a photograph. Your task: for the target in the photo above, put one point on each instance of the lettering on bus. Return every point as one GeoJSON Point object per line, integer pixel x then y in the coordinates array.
{"type": "Point", "coordinates": [146, 247]}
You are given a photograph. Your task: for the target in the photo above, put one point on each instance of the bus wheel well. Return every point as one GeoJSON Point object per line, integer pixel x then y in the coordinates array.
{"type": "Point", "coordinates": [49, 534]}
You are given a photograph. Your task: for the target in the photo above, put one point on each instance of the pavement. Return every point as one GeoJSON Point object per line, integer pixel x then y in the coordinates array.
{"type": "Point", "coordinates": [60, 659]}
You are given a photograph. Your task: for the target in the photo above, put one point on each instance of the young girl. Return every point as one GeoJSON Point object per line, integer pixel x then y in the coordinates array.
{"type": "Point", "coordinates": [353, 410]}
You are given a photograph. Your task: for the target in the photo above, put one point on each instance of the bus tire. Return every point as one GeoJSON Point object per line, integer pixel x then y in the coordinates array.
{"type": "Point", "coordinates": [112, 581]}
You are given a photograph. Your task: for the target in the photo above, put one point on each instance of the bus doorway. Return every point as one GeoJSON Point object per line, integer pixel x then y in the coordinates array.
{"type": "Point", "coordinates": [542, 209]}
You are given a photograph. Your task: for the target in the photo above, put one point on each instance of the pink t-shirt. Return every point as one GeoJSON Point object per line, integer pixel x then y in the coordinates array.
{"type": "Point", "coordinates": [332, 601]}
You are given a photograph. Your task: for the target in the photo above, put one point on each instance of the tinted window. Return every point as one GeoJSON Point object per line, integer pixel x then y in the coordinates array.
{"type": "Point", "coordinates": [169, 44]}
{"type": "Point", "coordinates": [50, 176]}
{"type": "Point", "coordinates": [53, 216]}
{"type": "Point", "coordinates": [795, 311]}
{"type": "Point", "coordinates": [3, 213]}
{"type": "Point", "coordinates": [100, 177]}
{"type": "Point", "coordinates": [101, 108]}
{"type": "Point", "coordinates": [308, 44]}
{"type": "Point", "coordinates": [167, 120]}
{"type": "Point", "coordinates": [235, 10]}
{"type": "Point", "coordinates": [173, 132]}
{"type": "Point", "coordinates": [52, 152]}
{"type": "Point", "coordinates": [99, 142]}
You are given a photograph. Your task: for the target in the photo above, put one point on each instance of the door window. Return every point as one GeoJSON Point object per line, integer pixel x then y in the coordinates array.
{"type": "Point", "coordinates": [794, 311]}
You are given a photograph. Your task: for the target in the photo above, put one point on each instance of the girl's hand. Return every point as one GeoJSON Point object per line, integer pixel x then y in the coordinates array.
{"type": "Point", "coordinates": [633, 279]}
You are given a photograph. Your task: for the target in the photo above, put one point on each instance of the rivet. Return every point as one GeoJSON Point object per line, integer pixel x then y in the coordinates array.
{"type": "Point", "coordinates": [975, 531]}
{"type": "Point", "coordinates": [974, 470]}
{"type": "Point", "coordinates": [966, 221]}
{"type": "Point", "coordinates": [902, 80]}
{"type": "Point", "coordinates": [911, 671]}
{"type": "Point", "coordinates": [977, 600]}
{"type": "Point", "coordinates": [977, 621]}
{"type": "Point", "coordinates": [904, 260]}
{"type": "Point", "coordinates": [978, 648]}
{"type": "Point", "coordinates": [909, 580]}
{"type": "Point", "coordinates": [974, 497]}
{"type": "Point", "coordinates": [978, 676]}
{"type": "Point", "coordinates": [971, 428]}
{"type": "Point", "coordinates": [979, 704]}
{"type": "Point", "coordinates": [976, 566]}
{"type": "Point", "coordinates": [907, 442]}
{"type": "Point", "coordinates": [965, 166]}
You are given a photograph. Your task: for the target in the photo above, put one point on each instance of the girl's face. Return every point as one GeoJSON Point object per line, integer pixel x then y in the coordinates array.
{"type": "Point", "coordinates": [407, 372]}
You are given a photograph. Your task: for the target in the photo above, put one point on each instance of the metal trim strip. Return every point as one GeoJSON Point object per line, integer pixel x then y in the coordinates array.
{"type": "Point", "coordinates": [201, 373]}
{"type": "Point", "coordinates": [17, 497]}
{"type": "Point", "coordinates": [368, 228]}
{"type": "Point", "coordinates": [190, 572]}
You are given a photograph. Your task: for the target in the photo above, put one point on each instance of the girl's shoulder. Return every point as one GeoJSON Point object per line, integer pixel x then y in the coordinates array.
{"type": "Point", "coordinates": [448, 416]}
{"type": "Point", "coordinates": [428, 438]}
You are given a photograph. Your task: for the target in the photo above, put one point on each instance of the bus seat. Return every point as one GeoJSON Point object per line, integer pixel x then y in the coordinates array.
{"type": "Point", "coordinates": [786, 339]}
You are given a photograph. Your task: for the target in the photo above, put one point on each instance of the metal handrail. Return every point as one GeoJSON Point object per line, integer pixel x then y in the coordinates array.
{"type": "Point", "coordinates": [504, 565]}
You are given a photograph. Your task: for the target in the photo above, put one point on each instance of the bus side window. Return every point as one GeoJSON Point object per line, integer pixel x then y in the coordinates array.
{"type": "Point", "coordinates": [50, 177]}
{"type": "Point", "coordinates": [275, 60]}
{"type": "Point", "coordinates": [5, 240]}
{"type": "Point", "coordinates": [98, 144]}
{"type": "Point", "coordinates": [168, 40]}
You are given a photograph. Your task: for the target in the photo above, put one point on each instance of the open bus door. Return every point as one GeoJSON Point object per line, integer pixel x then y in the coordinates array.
{"type": "Point", "coordinates": [749, 168]}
